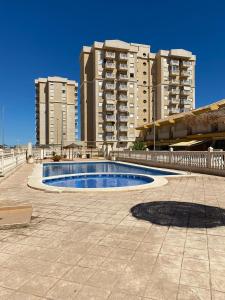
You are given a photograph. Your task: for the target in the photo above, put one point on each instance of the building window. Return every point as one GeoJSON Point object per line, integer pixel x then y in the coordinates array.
{"type": "Point", "coordinates": [131, 85]}
{"type": "Point", "coordinates": [131, 115]}
{"type": "Point", "coordinates": [144, 92]}
{"type": "Point", "coordinates": [144, 54]}
{"type": "Point", "coordinates": [132, 55]}
{"type": "Point", "coordinates": [144, 110]}
{"type": "Point", "coordinates": [63, 91]}
{"type": "Point", "coordinates": [144, 101]}
{"type": "Point", "coordinates": [100, 104]}
{"type": "Point", "coordinates": [144, 82]}
{"type": "Point", "coordinates": [144, 63]}
{"type": "Point", "coordinates": [132, 75]}
{"type": "Point", "coordinates": [144, 120]}
{"type": "Point", "coordinates": [131, 104]}
{"type": "Point", "coordinates": [131, 125]}
{"type": "Point", "coordinates": [144, 73]}
{"type": "Point", "coordinates": [131, 95]}
{"type": "Point", "coordinates": [100, 94]}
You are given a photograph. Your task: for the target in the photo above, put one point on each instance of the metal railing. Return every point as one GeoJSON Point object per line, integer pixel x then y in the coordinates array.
{"type": "Point", "coordinates": [210, 162]}
{"type": "Point", "coordinates": [10, 159]}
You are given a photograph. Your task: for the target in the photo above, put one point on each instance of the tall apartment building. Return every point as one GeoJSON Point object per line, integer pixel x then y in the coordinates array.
{"type": "Point", "coordinates": [124, 85]}
{"type": "Point", "coordinates": [56, 110]}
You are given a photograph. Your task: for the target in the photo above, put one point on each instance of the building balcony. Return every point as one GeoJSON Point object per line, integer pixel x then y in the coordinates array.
{"type": "Point", "coordinates": [123, 66]}
{"type": "Point", "coordinates": [110, 118]}
{"type": "Point", "coordinates": [123, 77]}
{"type": "Point", "coordinates": [174, 82]}
{"type": "Point", "coordinates": [185, 82]}
{"type": "Point", "coordinates": [174, 111]}
{"type": "Point", "coordinates": [110, 107]}
{"type": "Point", "coordinates": [123, 138]}
{"type": "Point", "coordinates": [123, 108]}
{"type": "Point", "coordinates": [186, 102]}
{"type": "Point", "coordinates": [174, 62]}
{"type": "Point", "coordinates": [110, 54]}
{"type": "Point", "coordinates": [110, 138]}
{"type": "Point", "coordinates": [185, 92]}
{"type": "Point", "coordinates": [174, 91]}
{"type": "Point", "coordinates": [109, 75]}
{"type": "Point", "coordinates": [122, 87]}
{"type": "Point", "coordinates": [123, 118]}
{"type": "Point", "coordinates": [110, 86]}
{"type": "Point", "coordinates": [185, 74]}
{"type": "Point", "coordinates": [174, 72]}
{"type": "Point", "coordinates": [174, 101]}
{"type": "Point", "coordinates": [123, 97]}
{"type": "Point", "coordinates": [123, 128]}
{"type": "Point", "coordinates": [109, 96]}
{"type": "Point", "coordinates": [186, 64]}
{"type": "Point", "coordinates": [123, 56]}
{"type": "Point", "coordinates": [110, 65]}
{"type": "Point", "coordinates": [110, 128]}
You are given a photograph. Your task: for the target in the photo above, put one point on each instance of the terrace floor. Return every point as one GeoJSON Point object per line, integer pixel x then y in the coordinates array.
{"type": "Point", "coordinates": [89, 246]}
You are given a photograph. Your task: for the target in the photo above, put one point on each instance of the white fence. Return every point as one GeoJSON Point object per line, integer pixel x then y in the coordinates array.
{"type": "Point", "coordinates": [210, 162]}
{"type": "Point", "coordinates": [10, 159]}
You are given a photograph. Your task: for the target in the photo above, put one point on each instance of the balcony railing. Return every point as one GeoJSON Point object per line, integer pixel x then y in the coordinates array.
{"type": "Point", "coordinates": [123, 56]}
{"type": "Point", "coordinates": [174, 62]}
{"type": "Point", "coordinates": [109, 75]}
{"type": "Point", "coordinates": [110, 138]}
{"type": "Point", "coordinates": [185, 73]}
{"type": "Point", "coordinates": [109, 54]}
{"type": "Point", "coordinates": [123, 87]}
{"type": "Point", "coordinates": [175, 91]}
{"type": "Point", "coordinates": [123, 118]}
{"type": "Point", "coordinates": [123, 138]}
{"type": "Point", "coordinates": [186, 102]}
{"type": "Point", "coordinates": [123, 77]}
{"type": "Point", "coordinates": [110, 107]}
{"type": "Point", "coordinates": [110, 65]}
{"type": "Point", "coordinates": [109, 96]}
{"type": "Point", "coordinates": [123, 108]}
{"type": "Point", "coordinates": [109, 128]}
{"type": "Point", "coordinates": [123, 128]}
{"type": "Point", "coordinates": [110, 118]}
{"type": "Point", "coordinates": [174, 111]}
{"type": "Point", "coordinates": [185, 92]}
{"type": "Point", "coordinates": [174, 101]}
{"type": "Point", "coordinates": [122, 97]}
{"type": "Point", "coordinates": [185, 82]}
{"type": "Point", "coordinates": [174, 82]}
{"type": "Point", "coordinates": [174, 72]}
{"type": "Point", "coordinates": [123, 66]}
{"type": "Point", "coordinates": [186, 64]}
{"type": "Point", "coordinates": [110, 86]}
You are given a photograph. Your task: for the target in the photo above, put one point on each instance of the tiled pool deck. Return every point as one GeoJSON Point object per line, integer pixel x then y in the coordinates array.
{"type": "Point", "coordinates": [88, 246]}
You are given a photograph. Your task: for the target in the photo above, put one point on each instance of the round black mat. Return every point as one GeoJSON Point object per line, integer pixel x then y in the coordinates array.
{"type": "Point", "coordinates": [180, 214]}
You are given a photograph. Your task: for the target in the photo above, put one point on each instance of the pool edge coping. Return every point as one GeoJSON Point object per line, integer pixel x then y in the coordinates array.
{"type": "Point", "coordinates": [35, 182]}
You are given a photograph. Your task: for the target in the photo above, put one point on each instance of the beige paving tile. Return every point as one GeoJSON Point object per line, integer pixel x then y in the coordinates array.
{"type": "Point", "coordinates": [5, 293]}
{"type": "Point", "coordinates": [193, 293]}
{"type": "Point", "coordinates": [103, 278]}
{"type": "Point", "coordinates": [15, 279]}
{"type": "Point", "coordinates": [158, 289]}
{"type": "Point", "coordinates": [122, 296]}
{"type": "Point", "coordinates": [91, 261]}
{"type": "Point", "coordinates": [79, 274]}
{"type": "Point", "coordinates": [198, 265]}
{"type": "Point", "coordinates": [196, 279]}
{"type": "Point", "coordinates": [114, 265]}
{"type": "Point", "coordinates": [65, 290]}
{"type": "Point", "coordinates": [218, 282]}
{"type": "Point", "coordinates": [90, 292]}
{"type": "Point", "coordinates": [218, 295]}
{"type": "Point", "coordinates": [38, 285]}
{"type": "Point", "coordinates": [22, 296]}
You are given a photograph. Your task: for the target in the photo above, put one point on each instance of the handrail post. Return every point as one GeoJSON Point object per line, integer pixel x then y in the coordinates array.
{"type": "Point", "coordinates": [209, 157]}
{"type": "Point", "coordinates": [170, 155]}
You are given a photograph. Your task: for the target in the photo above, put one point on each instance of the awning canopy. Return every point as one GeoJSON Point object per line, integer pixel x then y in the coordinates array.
{"type": "Point", "coordinates": [188, 143]}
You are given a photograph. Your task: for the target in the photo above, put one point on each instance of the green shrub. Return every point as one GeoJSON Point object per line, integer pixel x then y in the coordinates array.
{"type": "Point", "coordinates": [56, 158]}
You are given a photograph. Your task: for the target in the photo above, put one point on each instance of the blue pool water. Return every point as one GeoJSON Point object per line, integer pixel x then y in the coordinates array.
{"type": "Point", "coordinates": [54, 169]}
{"type": "Point", "coordinates": [99, 181]}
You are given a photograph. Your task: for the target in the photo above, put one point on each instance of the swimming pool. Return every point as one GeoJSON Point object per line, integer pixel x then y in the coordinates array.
{"type": "Point", "coordinates": [53, 169]}
{"type": "Point", "coordinates": [99, 181]}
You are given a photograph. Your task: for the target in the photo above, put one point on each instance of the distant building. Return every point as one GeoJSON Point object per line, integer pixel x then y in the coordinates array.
{"type": "Point", "coordinates": [124, 85]}
{"type": "Point", "coordinates": [195, 130]}
{"type": "Point", "coordinates": [56, 111]}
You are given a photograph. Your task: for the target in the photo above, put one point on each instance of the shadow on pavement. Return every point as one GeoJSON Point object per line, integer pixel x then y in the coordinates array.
{"type": "Point", "coordinates": [180, 214]}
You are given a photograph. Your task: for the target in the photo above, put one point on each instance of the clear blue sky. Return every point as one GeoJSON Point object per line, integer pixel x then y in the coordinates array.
{"type": "Point", "coordinates": [44, 38]}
